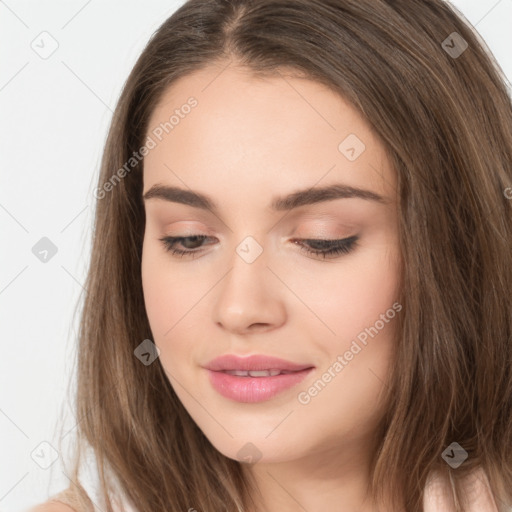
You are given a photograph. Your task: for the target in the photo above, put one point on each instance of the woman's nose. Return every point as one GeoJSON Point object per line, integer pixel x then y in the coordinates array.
{"type": "Point", "coordinates": [249, 296]}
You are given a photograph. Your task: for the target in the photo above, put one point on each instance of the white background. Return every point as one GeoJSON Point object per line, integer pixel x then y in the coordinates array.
{"type": "Point", "coordinates": [54, 117]}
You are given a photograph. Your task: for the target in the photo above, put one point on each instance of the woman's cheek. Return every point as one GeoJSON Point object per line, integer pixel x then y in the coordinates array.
{"type": "Point", "coordinates": [352, 293]}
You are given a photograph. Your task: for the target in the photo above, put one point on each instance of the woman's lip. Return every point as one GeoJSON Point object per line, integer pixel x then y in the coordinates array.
{"type": "Point", "coordinates": [253, 362]}
{"type": "Point", "coordinates": [254, 389]}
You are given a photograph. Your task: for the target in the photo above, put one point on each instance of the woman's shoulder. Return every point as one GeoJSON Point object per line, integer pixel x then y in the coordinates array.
{"type": "Point", "coordinates": [439, 493]}
{"type": "Point", "coordinates": [52, 506]}
{"type": "Point", "coordinates": [64, 501]}
{"type": "Point", "coordinates": [79, 498]}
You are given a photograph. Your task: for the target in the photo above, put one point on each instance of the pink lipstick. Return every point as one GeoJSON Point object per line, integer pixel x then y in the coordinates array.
{"type": "Point", "coordinates": [255, 378]}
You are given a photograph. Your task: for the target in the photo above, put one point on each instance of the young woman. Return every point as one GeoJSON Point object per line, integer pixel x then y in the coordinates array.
{"type": "Point", "coordinates": [300, 289]}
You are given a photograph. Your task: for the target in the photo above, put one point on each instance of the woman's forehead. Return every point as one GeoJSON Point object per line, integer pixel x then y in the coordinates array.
{"type": "Point", "coordinates": [245, 130]}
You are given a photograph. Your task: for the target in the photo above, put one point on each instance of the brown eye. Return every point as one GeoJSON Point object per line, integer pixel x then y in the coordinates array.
{"type": "Point", "coordinates": [189, 242]}
{"type": "Point", "coordinates": [318, 247]}
{"type": "Point", "coordinates": [328, 247]}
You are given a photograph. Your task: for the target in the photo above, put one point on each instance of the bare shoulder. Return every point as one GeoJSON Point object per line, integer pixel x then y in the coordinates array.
{"type": "Point", "coordinates": [52, 506]}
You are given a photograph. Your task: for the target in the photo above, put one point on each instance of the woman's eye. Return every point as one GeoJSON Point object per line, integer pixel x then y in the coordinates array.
{"type": "Point", "coordinates": [327, 248]}
{"type": "Point", "coordinates": [189, 242]}
{"type": "Point", "coordinates": [318, 247]}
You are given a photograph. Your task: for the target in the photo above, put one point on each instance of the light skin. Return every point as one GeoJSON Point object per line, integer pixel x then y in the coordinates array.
{"type": "Point", "coordinates": [248, 141]}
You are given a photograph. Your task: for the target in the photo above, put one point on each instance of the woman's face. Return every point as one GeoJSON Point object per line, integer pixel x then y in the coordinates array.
{"type": "Point", "coordinates": [261, 151]}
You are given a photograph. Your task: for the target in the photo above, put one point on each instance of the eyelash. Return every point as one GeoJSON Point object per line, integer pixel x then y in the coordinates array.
{"type": "Point", "coordinates": [336, 247]}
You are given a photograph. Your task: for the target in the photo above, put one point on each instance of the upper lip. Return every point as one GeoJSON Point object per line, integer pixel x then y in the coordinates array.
{"type": "Point", "coordinates": [254, 362]}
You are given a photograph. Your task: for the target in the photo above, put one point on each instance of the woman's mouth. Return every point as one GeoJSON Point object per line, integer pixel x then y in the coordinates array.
{"type": "Point", "coordinates": [256, 373]}
{"type": "Point", "coordinates": [245, 379]}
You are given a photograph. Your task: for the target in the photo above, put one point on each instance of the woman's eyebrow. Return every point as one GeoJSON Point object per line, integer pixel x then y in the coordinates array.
{"type": "Point", "coordinates": [288, 202]}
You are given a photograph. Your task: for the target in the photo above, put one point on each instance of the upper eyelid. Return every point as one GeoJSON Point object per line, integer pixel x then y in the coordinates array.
{"type": "Point", "coordinates": [177, 238]}
{"type": "Point", "coordinates": [333, 249]}
{"type": "Point", "coordinates": [202, 235]}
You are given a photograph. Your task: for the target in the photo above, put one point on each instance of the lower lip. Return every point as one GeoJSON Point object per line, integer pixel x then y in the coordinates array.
{"type": "Point", "coordinates": [254, 389]}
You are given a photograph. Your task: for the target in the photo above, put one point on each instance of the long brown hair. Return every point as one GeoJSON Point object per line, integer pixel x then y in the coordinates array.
{"type": "Point", "coordinates": [444, 115]}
